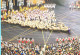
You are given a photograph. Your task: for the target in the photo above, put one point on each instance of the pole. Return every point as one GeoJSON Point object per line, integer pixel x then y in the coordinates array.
{"type": "Point", "coordinates": [14, 2]}
{"type": "Point", "coordinates": [1, 3]}
{"type": "Point", "coordinates": [7, 2]}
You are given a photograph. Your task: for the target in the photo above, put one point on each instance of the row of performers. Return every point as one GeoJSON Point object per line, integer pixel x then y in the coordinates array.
{"type": "Point", "coordinates": [39, 24]}
{"type": "Point", "coordinates": [6, 14]}
{"type": "Point", "coordinates": [66, 40]}
{"type": "Point", "coordinates": [25, 40]}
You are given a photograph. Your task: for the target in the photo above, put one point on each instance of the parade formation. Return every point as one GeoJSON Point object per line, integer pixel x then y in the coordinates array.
{"type": "Point", "coordinates": [35, 17]}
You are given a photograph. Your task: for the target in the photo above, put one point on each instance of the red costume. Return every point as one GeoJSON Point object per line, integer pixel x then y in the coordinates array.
{"type": "Point", "coordinates": [22, 41]}
{"type": "Point", "coordinates": [26, 41]}
{"type": "Point", "coordinates": [19, 41]}
{"type": "Point", "coordinates": [2, 18]}
{"type": "Point", "coordinates": [30, 42]}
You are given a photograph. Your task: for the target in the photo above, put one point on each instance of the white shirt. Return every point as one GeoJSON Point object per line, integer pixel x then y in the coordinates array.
{"type": "Point", "coordinates": [41, 53]}
{"type": "Point", "coordinates": [6, 54]}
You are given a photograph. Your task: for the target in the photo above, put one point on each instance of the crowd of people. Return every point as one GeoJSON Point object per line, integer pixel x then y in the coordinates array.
{"type": "Point", "coordinates": [35, 2]}
{"type": "Point", "coordinates": [74, 5]}
{"type": "Point", "coordinates": [69, 46]}
{"type": "Point", "coordinates": [34, 17]}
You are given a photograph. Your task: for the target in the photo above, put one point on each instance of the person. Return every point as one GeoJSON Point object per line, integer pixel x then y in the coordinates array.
{"type": "Point", "coordinates": [8, 13]}
{"type": "Point", "coordinates": [22, 40]}
{"type": "Point", "coordinates": [37, 49]}
{"type": "Point", "coordinates": [70, 6]}
{"type": "Point", "coordinates": [2, 17]}
{"type": "Point", "coordinates": [5, 15]}
{"type": "Point", "coordinates": [34, 2]}
{"type": "Point", "coordinates": [21, 53]}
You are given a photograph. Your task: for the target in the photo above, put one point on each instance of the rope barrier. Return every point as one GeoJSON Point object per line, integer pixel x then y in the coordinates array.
{"type": "Point", "coordinates": [30, 32]}
{"type": "Point", "coordinates": [49, 37]}
{"type": "Point", "coordinates": [8, 27]}
{"type": "Point", "coordinates": [12, 29]}
{"type": "Point", "coordinates": [19, 34]}
{"type": "Point", "coordinates": [74, 33]}
{"type": "Point", "coordinates": [43, 36]}
{"type": "Point", "coordinates": [23, 35]}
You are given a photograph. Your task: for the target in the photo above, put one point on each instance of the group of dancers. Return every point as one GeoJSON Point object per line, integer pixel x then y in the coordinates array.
{"type": "Point", "coordinates": [35, 17]}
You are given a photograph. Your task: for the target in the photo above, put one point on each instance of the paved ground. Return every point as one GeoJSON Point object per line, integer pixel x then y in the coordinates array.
{"type": "Point", "coordinates": [70, 18]}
